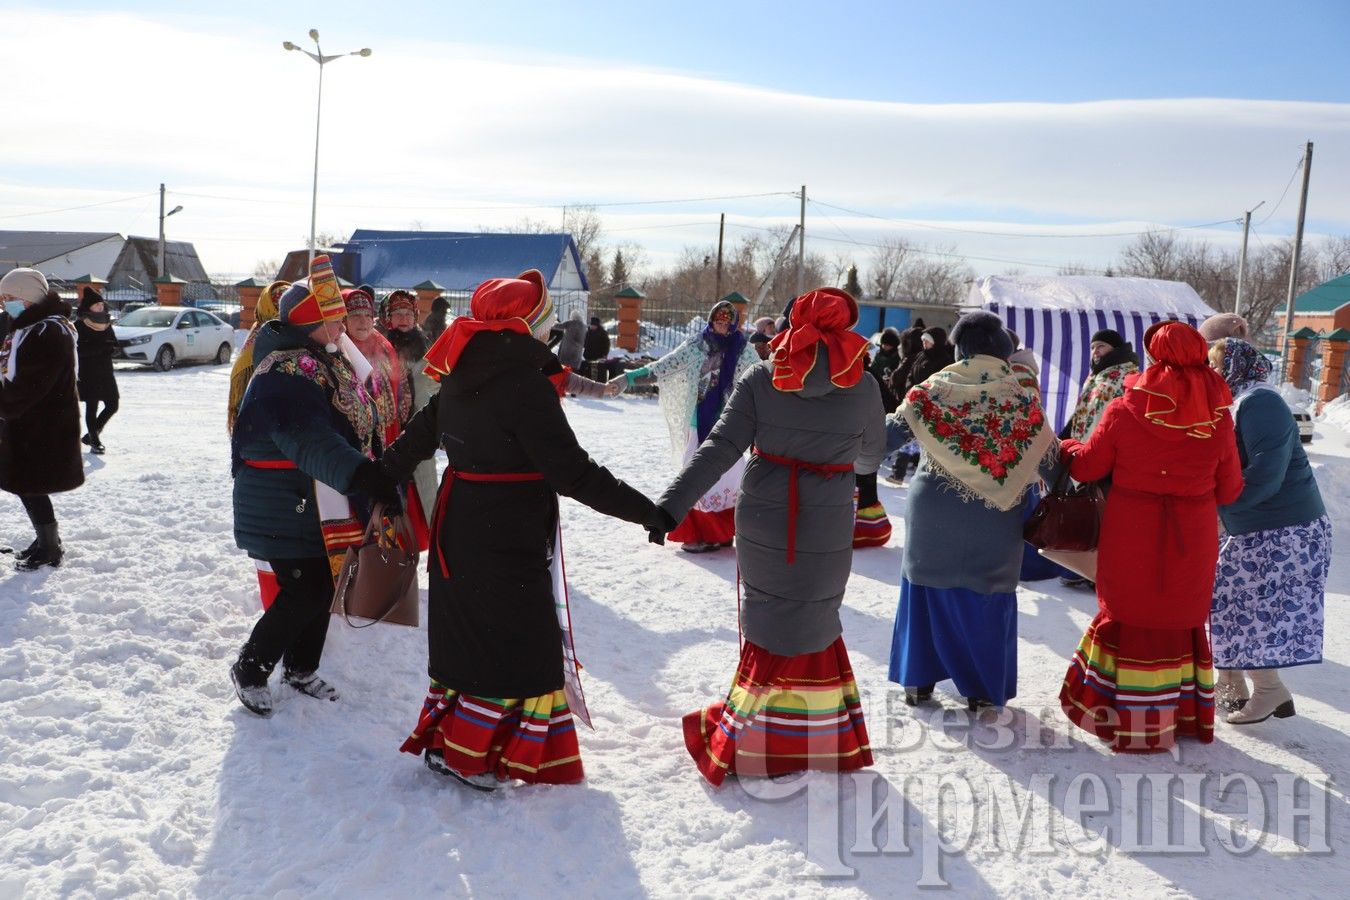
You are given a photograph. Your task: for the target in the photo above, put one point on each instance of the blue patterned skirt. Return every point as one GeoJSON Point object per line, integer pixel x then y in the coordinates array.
{"type": "Point", "coordinates": [1269, 597]}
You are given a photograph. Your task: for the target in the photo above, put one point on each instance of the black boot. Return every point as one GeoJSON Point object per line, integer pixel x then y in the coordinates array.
{"type": "Point", "coordinates": [46, 552]}
{"type": "Point", "coordinates": [96, 443]}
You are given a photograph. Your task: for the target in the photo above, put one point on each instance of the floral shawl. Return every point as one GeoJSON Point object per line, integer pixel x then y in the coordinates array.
{"type": "Point", "coordinates": [982, 429]}
{"type": "Point", "coordinates": [349, 395]}
{"type": "Point", "coordinates": [1098, 391]}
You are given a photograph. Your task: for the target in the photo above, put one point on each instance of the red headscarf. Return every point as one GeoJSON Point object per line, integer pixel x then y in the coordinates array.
{"type": "Point", "coordinates": [825, 314]}
{"type": "Point", "coordinates": [1184, 393]}
{"type": "Point", "coordinates": [518, 304]}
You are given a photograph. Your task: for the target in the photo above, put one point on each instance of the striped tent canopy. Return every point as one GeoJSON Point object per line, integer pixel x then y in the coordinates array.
{"type": "Point", "coordinates": [1056, 317]}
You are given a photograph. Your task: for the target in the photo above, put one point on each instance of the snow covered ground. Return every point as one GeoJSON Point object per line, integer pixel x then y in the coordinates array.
{"type": "Point", "coordinates": [128, 768]}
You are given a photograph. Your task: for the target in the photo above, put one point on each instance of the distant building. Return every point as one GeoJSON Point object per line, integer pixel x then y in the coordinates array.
{"type": "Point", "coordinates": [1324, 309]}
{"type": "Point", "coordinates": [457, 261]}
{"type": "Point", "coordinates": [130, 265]}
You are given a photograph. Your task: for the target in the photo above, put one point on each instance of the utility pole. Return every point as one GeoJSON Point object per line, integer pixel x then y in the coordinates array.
{"type": "Point", "coordinates": [1293, 261]}
{"type": "Point", "coordinates": [721, 232]}
{"type": "Point", "coordinates": [1242, 260]}
{"type": "Point", "coordinates": [161, 273]}
{"type": "Point", "coordinates": [801, 247]}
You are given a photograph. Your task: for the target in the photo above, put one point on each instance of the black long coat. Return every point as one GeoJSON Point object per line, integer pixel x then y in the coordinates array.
{"type": "Point", "coordinates": [95, 350]}
{"type": "Point", "coordinates": [492, 629]}
{"type": "Point", "coordinates": [40, 434]}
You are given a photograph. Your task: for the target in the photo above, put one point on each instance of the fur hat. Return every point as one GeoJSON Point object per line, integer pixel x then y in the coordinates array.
{"type": "Point", "coordinates": [889, 337]}
{"type": "Point", "coordinates": [1223, 325]}
{"type": "Point", "coordinates": [26, 284]}
{"type": "Point", "coordinates": [88, 297]}
{"type": "Point", "coordinates": [1109, 336]}
{"type": "Point", "coordinates": [981, 333]}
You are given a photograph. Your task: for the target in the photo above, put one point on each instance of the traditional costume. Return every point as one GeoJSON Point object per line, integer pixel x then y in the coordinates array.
{"type": "Point", "coordinates": [1105, 383]}
{"type": "Point", "coordinates": [810, 421]}
{"type": "Point", "coordinates": [242, 370]}
{"type": "Point", "coordinates": [985, 441]}
{"type": "Point", "coordinates": [504, 684]}
{"type": "Point", "coordinates": [695, 380]}
{"type": "Point", "coordinates": [1142, 673]}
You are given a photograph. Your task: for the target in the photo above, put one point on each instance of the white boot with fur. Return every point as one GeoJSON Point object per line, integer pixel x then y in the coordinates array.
{"type": "Point", "coordinates": [1269, 698]}
{"type": "Point", "coordinates": [1230, 689]}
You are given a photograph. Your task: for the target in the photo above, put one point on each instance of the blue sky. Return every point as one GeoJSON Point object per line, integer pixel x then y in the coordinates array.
{"type": "Point", "coordinates": [975, 126]}
{"type": "Point", "coordinates": [938, 51]}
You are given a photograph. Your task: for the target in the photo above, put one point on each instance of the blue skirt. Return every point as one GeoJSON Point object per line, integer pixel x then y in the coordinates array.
{"type": "Point", "coordinates": [956, 633]}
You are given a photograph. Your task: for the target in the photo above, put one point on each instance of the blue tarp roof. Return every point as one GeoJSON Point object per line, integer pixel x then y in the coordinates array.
{"type": "Point", "coordinates": [458, 260]}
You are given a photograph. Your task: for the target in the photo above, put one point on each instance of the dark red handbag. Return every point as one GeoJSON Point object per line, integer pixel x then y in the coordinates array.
{"type": "Point", "coordinates": [1067, 518]}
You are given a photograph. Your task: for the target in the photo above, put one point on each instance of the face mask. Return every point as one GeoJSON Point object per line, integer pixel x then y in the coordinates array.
{"type": "Point", "coordinates": [101, 318]}
{"type": "Point", "coordinates": [14, 308]}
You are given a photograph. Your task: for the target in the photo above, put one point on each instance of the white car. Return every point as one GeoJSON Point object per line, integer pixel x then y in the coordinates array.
{"type": "Point", "coordinates": [161, 336]}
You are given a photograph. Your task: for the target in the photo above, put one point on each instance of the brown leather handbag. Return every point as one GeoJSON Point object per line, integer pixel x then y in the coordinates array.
{"type": "Point", "coordinates": [1067, 518]}
{"type": "Point", "coordinates": [378, 580]}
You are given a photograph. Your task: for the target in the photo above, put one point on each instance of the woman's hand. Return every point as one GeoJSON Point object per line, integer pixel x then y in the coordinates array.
{"type": "Point", "coordinates": [658, 525]}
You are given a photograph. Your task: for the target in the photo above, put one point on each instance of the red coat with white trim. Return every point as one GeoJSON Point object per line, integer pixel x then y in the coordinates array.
{"type": "Point", "coordinates": [1159, 538]}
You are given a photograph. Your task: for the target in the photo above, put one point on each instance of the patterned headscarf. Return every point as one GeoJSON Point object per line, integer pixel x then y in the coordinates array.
{"type": "Point", "coordinates": [1244, 366]}
{"type": "Point", "coordinates": [242, 371]}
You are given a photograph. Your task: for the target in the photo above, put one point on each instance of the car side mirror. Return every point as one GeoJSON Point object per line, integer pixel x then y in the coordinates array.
{"type": "Point", "coordinates": [184, 323]}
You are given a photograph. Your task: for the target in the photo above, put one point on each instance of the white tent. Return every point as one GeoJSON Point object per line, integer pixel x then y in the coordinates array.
{"type": "Point", "coordinates": [1056, 317]}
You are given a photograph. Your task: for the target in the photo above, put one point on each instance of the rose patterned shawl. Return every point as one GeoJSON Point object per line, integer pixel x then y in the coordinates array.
{"type": "Point", "coordinates": [982, 428]}
{"type": "Point", "coordinates": [1098, 391]}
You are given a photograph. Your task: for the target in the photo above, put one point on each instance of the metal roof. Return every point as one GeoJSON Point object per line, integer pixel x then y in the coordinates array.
{"type": "Point", "coordinates": [1327, 297]}
{"type": "Point", "coordinates": [28, 248]}
{"type": "Point", "coordinates": [460, 260]}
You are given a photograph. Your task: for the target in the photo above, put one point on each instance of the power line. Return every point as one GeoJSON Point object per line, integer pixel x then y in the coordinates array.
{"type": "Point", "coordinates": [1297, 168]}
{"type": "Point", "coordinates": [514, 206]}
{"type": "Point", "coordinates": [955, 230]}
{"type": "Point", "coordinates": [43, 212]}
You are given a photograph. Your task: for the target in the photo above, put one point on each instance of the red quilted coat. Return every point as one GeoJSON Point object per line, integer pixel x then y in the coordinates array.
{"type": "Point", "coordinates": [1159, 545]}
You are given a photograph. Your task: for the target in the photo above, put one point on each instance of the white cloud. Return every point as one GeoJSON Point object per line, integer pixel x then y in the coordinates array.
{"type": "Point", "coordinates": [219, 109]}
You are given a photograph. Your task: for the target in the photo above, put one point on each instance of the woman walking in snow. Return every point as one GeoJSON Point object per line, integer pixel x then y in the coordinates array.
{"type": "Point", "coordinates": [810, 419]}
{"type": "Point", "coordinates": [985, 441]}
{"type": "Point", "coordinates": [301, 445]}
{"type": "Point", "coordinates": [1270, 587]}
{"type": "Point", "coordinates": [40, 409]}
{"type": "Point", "coordinates": [97, 384]}
{"type": "Point", "coordinates": [498, 706]}
{"type": "Point", "coordinates": [695, 380]}
{"type": "Point", "coordinates": [1143, 673]}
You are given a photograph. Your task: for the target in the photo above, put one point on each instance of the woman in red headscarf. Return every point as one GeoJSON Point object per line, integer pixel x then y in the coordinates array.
{"type": "Point", "coordinates": [1143, 672]}
{"type": "Point", "coordinates": [503, 686]}
{"type": "Point", "coordinates": [810, 421]}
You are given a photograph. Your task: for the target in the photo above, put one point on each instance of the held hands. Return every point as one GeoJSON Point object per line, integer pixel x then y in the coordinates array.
{"type": "Point", "coordinates": [615, 386]}
{"type": "Point", "coordinates": [370, 479]}
{"type": "Point", "coordinates": [658, 524]}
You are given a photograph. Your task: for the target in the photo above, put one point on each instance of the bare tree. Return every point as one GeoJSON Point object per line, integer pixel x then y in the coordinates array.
{"type": "Point", "coordinates": [1073, 268]}
{"type": "Point", "coordinates": [889, 262]}
{"type": "Point", "coordinates": [1153, 254]}
{"type": "Point", "coordinates": [584, 225]}
{"type": "Point", "coordinates": [940, 279]}
{"type": "Point", "coordinates": [267, 268]}
{"type": "Point", "coordinates": [1335, 257]}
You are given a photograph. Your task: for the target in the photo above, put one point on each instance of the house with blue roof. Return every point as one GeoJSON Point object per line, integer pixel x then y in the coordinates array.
{"type": "Point", "coordinates": [459, 261]}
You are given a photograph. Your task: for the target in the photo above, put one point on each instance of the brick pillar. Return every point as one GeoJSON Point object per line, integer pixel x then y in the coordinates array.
{"type": "Point", "coordinates": [424, 300]}
{"type": "Point", "coordinates": [630, 310]}
{"type": "Point", "coordinates": [248, 303]}
{"type": "Point", "coordinates": [1334, 348]}
{"type": "Point", "coordinates": [169, 291]}
{"type": "Point", "coordinates": [1298, 359]}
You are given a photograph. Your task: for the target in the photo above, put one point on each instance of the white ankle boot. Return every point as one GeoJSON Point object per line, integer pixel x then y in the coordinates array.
{"type": "Point", "coordinates": [1230, 690]}
{"type": "Point", "coordinates": [1269, 698]}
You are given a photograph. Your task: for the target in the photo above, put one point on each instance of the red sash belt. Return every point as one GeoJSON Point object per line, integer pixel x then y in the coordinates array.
{"type": "Point", "coordinates": [451, 476]}
{"type": "Point", "coordinates": [1169, 525]}
{"type": "Point", "coordinates": [270, 464]}
{"type": "Point", "coordinates": [796, 467]}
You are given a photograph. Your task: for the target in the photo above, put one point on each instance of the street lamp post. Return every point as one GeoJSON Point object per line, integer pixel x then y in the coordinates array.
{"type": "Point", "coordinates": [162, 216]}
{"type": "Point", "coordinates": [322, 60]}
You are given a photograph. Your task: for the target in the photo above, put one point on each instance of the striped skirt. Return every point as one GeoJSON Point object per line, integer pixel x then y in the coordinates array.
{"type": "Point", "coordinates": [533, 740]}
{"type": "Point", "coordinates": [1141, 687]}
{"type": "Point", "coordinates": [784, 714]}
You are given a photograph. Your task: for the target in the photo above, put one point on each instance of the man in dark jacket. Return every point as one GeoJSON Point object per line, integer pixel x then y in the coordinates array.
{"type": "Point", "coordinates": [886, 361]}
{"type": "Point", "coordinates": [40, 440]}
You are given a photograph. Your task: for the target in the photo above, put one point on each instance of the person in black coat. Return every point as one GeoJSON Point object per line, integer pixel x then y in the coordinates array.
{"type": "Point", "coordinates": [437, 319]}
{"type": "Point", "coordinates": [886, 361]}
{"type": "Point", "coordinates": [39, 405]}
{"type": "Point", "coordinates": [492, 629]}
{"type": "Point", "coordinates": [96, 348]}
{"type": "Point", "coordinates": [595, 351]}
{"type": "Point", "coordinates": [936, 355]}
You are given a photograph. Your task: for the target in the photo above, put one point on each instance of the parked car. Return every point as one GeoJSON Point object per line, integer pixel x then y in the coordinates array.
{"type": "Point", "coordinates": [161, 336]}
{"type": "Point", "coordinates": [1305, 423]}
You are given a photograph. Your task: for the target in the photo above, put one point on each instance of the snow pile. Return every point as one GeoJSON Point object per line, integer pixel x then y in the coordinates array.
{"type": "Point", "coordinates": [1088, 293]}
{"type": "Point", "coordinates": [128, 768]}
